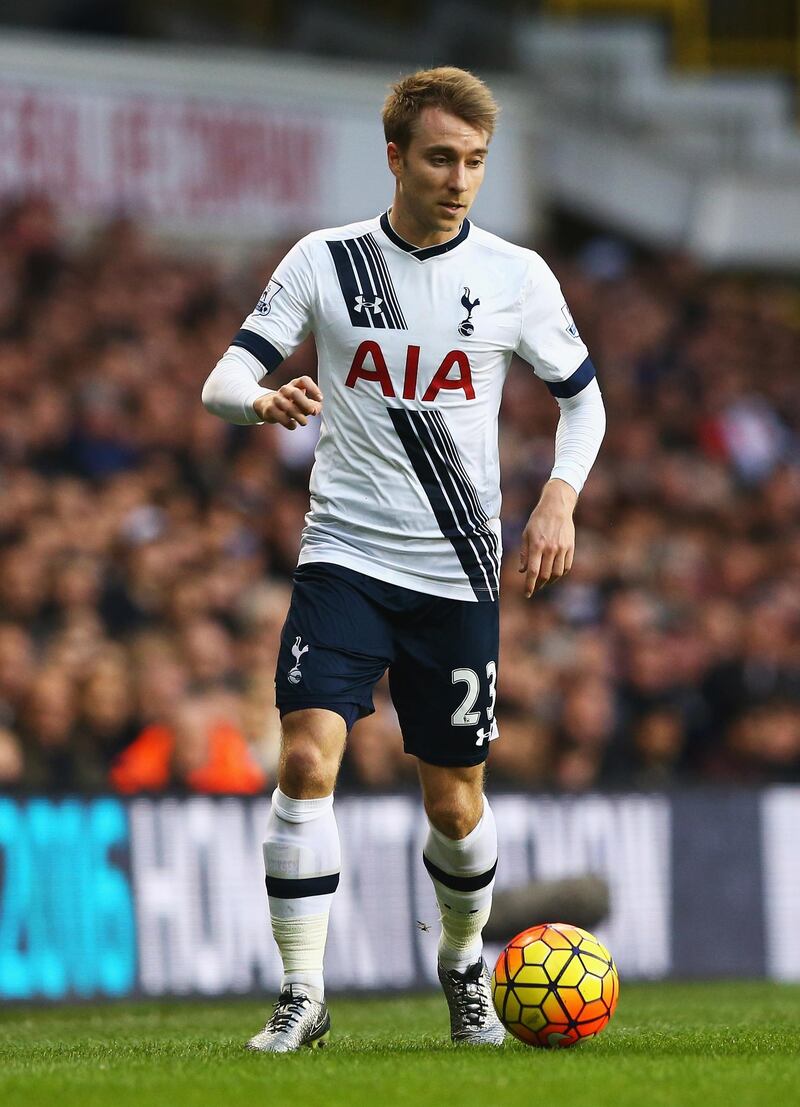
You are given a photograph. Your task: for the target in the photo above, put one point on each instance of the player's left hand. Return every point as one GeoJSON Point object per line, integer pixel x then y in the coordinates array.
{"type": "Point", "coordinates": [548, 541]}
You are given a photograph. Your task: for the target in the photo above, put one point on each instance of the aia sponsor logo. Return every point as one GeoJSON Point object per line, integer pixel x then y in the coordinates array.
{"type": "Point", "coordinates": [453, 374]}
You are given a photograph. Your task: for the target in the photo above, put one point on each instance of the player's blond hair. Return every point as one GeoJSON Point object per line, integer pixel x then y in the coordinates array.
{"type": "Point", "coordinates": [455, 90]}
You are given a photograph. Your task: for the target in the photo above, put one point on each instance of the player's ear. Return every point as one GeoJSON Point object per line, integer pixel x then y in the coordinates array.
{"type": "Point", "coordinates": [394, 156]}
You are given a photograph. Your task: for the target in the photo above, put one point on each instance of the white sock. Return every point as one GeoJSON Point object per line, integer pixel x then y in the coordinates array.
{"type": "Point", "coordinates": [302, 861]}
{"type": "Point", "coordinates": [463, 878]}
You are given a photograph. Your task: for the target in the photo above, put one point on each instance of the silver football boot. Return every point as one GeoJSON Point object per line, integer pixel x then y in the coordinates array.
{"type": "Point", "coordinates": [296, 1021]}
{"type": "Point", "coordinates": [473, 1019]}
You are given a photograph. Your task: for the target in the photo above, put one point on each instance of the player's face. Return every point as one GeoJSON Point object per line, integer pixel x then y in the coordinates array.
{"type": "Point", "coordinates": [438, 176]}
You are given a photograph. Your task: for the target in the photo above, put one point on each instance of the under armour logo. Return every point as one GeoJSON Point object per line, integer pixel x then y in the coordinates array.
{"type": "Point", "coordinates": [489, 734]}
{"type": "Point", "coordinates": [466, 326]}
{"type": "Point", "coordinates": [373, 307]}
{"type": "Point", "coordinates": [295, 675]}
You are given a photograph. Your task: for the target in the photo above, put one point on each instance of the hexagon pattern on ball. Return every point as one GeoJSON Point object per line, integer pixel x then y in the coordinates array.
{"type": "Point", "coordinates": [555, 985]}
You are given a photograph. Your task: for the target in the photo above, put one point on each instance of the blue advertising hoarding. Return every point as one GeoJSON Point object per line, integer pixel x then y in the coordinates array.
{"type": "Point", "coordinates": [66, 904]}
{"type": "Point", "coordinates": [103, 898]}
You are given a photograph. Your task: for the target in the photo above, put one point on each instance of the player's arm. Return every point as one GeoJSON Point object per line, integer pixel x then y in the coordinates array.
{"type": "Point", "coordinates": [278, 324]}
{"type": "Point", "coordinates": [548, 541]}
{"type": "Point", "coordinates": [234, 393]}
{"type": "Point", "coordinates": [550, 342]}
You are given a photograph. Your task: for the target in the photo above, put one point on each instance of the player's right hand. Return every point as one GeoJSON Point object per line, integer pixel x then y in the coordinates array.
{"type": "Point", "coordinates": [291, 404]}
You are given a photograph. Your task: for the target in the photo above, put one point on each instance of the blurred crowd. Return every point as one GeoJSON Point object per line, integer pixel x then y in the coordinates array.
{"type": "Point", "coordinates": [146, 548]}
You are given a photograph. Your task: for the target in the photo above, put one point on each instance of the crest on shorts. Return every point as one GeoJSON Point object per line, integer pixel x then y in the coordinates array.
{"type": "Point", "coordinates": [264, 305]}
{"type": "Point", "coordinates": [295, 676]}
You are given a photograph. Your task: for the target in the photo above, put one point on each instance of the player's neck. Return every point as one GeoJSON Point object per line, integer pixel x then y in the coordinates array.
{"type": "Point", "coordinates": [406, 227]}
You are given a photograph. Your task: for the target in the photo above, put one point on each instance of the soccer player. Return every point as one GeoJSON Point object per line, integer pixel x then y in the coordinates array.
{"type": "Point", "coordinates": [416, 316]}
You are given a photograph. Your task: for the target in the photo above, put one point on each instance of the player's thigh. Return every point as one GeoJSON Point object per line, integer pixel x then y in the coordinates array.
{"type": "Point", "coordinates": [335, 645]}
{"type": "Point", "coordinates": [443, 683]}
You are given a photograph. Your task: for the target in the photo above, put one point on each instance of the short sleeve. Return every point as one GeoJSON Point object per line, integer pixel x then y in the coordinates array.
{"type": "Point", "coordinates": [282, 318]}
{"type": "Point", "coordinates": [549, 339]}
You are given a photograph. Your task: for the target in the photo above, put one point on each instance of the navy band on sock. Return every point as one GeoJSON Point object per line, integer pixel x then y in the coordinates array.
{"type": "Point", "coordinates": [460, 883]}
{"type": "Point", "coordinates": [284, 888]}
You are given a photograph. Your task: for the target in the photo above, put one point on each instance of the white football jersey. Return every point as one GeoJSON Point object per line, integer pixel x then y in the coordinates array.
{"type": "Point", "coordinates": [413, 348]}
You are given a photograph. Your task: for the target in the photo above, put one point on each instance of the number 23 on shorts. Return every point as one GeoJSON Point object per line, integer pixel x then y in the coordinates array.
{"type": "Point", "coordinates": [464, 714]}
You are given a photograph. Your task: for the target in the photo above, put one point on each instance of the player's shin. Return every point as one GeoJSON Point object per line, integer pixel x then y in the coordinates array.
{"type": "Point", "coordinates": [463, 878]}
{"type": "Point", "coordinates": [302, 861]}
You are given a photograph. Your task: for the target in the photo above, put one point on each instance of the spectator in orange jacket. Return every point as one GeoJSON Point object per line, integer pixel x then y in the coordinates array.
{"type": "Point", "coordinates": [196, 750]}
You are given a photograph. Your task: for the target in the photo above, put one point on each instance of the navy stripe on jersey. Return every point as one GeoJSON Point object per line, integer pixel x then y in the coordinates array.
{"type": "Point", "coordinates": [367, 288]}
{"type": "Point", "coordinates": [376, 313]}
{"type": "Point", "coordinates": [360, 249]}
{"type": "Point", "coordinates": [384, 278]}
{"type": "Point", "coordinates": [447, 496]}
{"type": "Point", "coordinates": [258, 346]}
{"type": "Point", "coordinates": [348, 282]}
{"type": "Point", "coordinates": [455, 481]}
{"type": "Point", "coordinates": [574, 384]}
{"type": "Point", "coordinates": [477, 516]}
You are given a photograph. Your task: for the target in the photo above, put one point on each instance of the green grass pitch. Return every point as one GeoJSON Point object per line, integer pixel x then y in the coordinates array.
{"type": "Point", "coordinates": [727, 1044]}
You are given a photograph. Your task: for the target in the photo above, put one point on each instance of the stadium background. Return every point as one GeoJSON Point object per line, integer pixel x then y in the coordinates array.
{"type": "Point", "coordinates": [153, 167]}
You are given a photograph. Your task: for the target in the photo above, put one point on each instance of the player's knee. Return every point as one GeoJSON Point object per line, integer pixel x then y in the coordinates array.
{"type": "Point", "coordinates": [305, 771]}
{"type": "Point", "coordinates": [454, 815]}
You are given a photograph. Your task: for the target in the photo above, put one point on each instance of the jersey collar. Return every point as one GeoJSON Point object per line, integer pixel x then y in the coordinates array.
{"type": "Point", "coordinates": [425, 252]}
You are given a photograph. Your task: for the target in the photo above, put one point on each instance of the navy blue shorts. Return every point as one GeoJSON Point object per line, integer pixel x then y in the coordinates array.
{"type": "Point", "coordinates": [345, 629]}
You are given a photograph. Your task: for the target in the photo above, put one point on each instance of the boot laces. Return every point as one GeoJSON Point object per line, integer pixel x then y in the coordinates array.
{"type": "Point", "coordinates": [471, 997]}
{"type": "Point", "coordinates": [288, 1010]}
